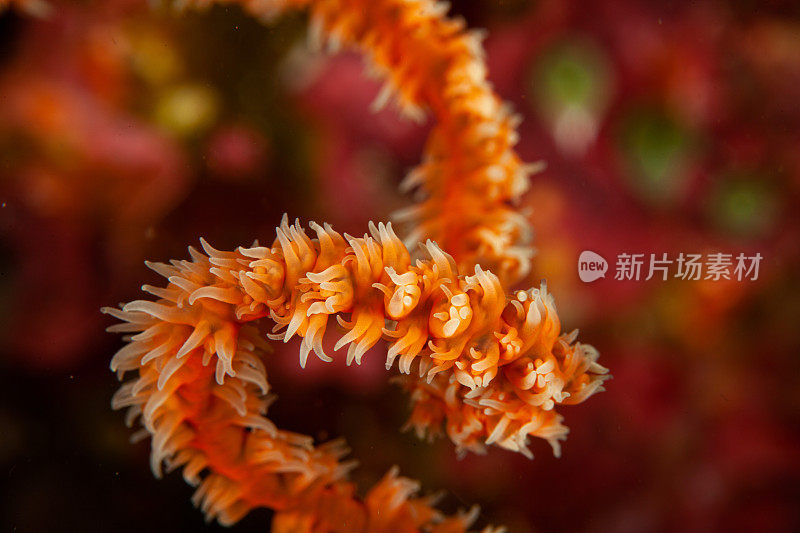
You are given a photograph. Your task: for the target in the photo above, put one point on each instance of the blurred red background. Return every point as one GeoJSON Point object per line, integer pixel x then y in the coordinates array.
{"type": "Point", "coordinates": [128, 131]}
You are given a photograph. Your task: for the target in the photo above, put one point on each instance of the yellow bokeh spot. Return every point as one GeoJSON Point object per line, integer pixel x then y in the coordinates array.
{"type": "Point", "coordinates": [188, 109]}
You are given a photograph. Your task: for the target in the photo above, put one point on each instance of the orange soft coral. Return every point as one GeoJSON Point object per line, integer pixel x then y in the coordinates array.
{"type": "Point", "coordinates": [487, 367]}
{"type": "Point", "coordinates": [470, 174]}
{"type": "Point", "coordinates": [493, 367]}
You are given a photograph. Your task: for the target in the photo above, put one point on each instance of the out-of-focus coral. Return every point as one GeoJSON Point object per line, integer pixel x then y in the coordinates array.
{"type": "Point", "coordinates": [74, 154]}
{"type": "Point", "coordinates": [692, 145]}
{"type": "Point", "coordinates": [36, 8]}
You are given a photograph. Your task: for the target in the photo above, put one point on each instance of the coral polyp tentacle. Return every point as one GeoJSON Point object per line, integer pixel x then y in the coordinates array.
{"type": "Point", "coordinates": [486, 368]}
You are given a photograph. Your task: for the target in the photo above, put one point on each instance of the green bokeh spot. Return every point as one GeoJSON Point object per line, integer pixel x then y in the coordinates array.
{"type": "Point", "coordinates": [657, 148]}
{"type": "Point", "coordinates": [744, 206]}
{"type": "Point", "coordinates": [574, 73]}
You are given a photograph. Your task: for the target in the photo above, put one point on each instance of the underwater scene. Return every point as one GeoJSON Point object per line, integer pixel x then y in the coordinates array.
{"type": "Point", "coordinates": [377, 266]}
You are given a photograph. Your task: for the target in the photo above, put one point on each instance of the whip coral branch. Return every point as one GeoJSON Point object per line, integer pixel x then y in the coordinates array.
{"type": "Point", "coordinates": [487, 367]}
{"type": "Point", "coordinates": [482, 366]}
{"type": "Point", "coordinates": [470, 174]}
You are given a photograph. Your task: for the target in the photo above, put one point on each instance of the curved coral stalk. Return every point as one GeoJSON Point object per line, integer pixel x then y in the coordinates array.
{"type": "Point", "coordinates": [484, 367]}
{"type": "Point", "coordinates": [489, 367]}
{"type": "Point", "coordinates": [470, 174]}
